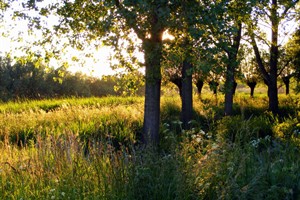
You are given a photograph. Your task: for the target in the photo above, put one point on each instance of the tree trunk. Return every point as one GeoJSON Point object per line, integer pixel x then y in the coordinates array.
{"type": "Point", "coordinates": [229, 90]}
{"type": "Point", "coordinates": [273, 95]}
{"type": "Point", "coordinates": [153, 55]}
{"type": "Point", "coordinates": [234, 87]}
{"type": "Point", "coordinates": [252, 85]}
{"type": "Point", "coordinates": [177, 81]}
{"type": "Point", "coordinates": [213, 85]}
{"type": "Point", "coordinates": [270, 76]}
{"type": "Point", "coordinates": [230, 84]}
{"type": "Point", "coordinates": [199, 85]}
{"type": "Point", "coordinates": [286, 81]}
{"type": "Point", "coordinates": [187, 95]}
{"type": "Point", "coordinates": [274, 53]}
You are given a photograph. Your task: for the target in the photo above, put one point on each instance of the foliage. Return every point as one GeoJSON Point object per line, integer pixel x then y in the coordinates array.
{"type": "Point", "coordinates": [293, 52]}
{"type": "Point", "coordinates": [276, 14]}
{"type": "Point", "coordinates": [129, 83]}
{"type": "Point", "coordinates": [27, 81]}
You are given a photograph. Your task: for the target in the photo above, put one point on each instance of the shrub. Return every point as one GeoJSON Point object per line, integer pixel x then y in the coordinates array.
{"type": "Point", "coordinates": [240, 131]}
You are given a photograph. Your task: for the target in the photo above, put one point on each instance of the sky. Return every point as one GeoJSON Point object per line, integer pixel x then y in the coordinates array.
{"type": "Point", "coordinates": [14, 35]}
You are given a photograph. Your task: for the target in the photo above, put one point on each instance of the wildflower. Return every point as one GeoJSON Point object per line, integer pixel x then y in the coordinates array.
{"type": "Point", "coordinates": [166, 125]}
{"type": "Point", "coordinates": [202, 132]}
{"type": "Point", "coordinates": [52, 190]}
{"type": "Point", "coordinates": [198, 139]}
{"type": "Point", "coordinates": [214, 146]}
{"type": "Point", "coordinates": [255, 143]}
{"type": "Point", "coordinates": [22, 167]}
{"type": "Point", "coordinates": [63, 194]}
{"type": "Point", "coordinates": [268, 138]}
{"type": "Point", "coordinates": [53, 197]}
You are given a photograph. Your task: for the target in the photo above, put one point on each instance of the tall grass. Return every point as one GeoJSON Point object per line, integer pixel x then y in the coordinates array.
{"type": "Point", "coordinates": [88, 149]}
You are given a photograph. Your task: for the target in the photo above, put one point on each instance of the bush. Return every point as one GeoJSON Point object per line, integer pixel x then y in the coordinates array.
{"type": "Point", "coordinates": [240, 131]}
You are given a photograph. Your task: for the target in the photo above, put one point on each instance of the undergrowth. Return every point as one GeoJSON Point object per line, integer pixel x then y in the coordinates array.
{"type": "Point", "coordinates": [89, 149]}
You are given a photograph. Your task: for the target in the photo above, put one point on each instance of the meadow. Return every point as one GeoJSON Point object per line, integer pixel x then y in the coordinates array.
{"type": "Point", "coordinates": [88, 148]}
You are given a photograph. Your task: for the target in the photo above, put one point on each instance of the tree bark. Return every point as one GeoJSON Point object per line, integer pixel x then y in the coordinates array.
{"type": "Point", "coordinates": [273, 95]}
{"type": "Point", "coordinates": [252, 85]}
{"type": "Point", "coordinates": [234, 87]}
{"type": "Point", "coordinates": [286, 81]}
{"type": "Point", "coordinates": [229, 88]}
{"type": "Point", "coordinates": [273, 92]}
{"type": "Point", "coordinates": [199, 85]}
{"type": "Point", "coordinates": [230, 83]}
{"type": "Point", "coordinates": [187, 95]}
{"type": "Point", "coordinates": [177, 81]}
{"type": "Point", "coordinates": [153, 56]}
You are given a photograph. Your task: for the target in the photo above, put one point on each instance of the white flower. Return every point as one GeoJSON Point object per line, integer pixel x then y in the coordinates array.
{"type": "Point", "coordinates": [202, 132]}
{"type": "Point", "coordinates": [255, 143]}
{"type": "Point", "coordinates": [21, 167]}
{"type": "Point", "coordinates": [52, 190]}
{"type": "Point", "coordinates": [268, 138]}
{"type": "Point", "coordinates": [166, 125]}
{"type": "Point", "coordinates": [198, 139]}
{"type": "Point", "coordinates": [52, 197]}
{"type": "Point", "coordinates": [63, 194]}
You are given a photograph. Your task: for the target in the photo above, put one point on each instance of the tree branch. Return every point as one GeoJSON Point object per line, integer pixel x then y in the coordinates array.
{"type": "Point", "coordinates": [131, 21]}
{"type": "Point", "coordinates": [288, 8]}
{"type": "Point", "coordinates": [286, 64]}
{"type": "Point", "coordinates": [257, 56]}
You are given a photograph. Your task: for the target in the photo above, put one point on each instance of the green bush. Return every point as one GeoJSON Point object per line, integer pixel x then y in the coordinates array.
{"type": "Point", "coordinates": [240, 131]}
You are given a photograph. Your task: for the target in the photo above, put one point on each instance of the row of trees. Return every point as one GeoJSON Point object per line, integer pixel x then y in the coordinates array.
{"type": "Point", "coordinates": [23, 80]}
{"type": "Point", "coordinates": [247, 71]}
{"type": "Point", "coordinates": [208, 37]}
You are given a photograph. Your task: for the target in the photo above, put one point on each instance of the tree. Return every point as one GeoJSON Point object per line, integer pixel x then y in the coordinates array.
{"type": "Point", "coordinates": [181, 54]}
{"type": "Point", "coordinates": [225, 30]}
{"type": "Point", "coordinates": [291, 60]}
{"type": "Point", "coordinates": [173, 74]}
{"type": "Point", "coordinates": [275, 12]}
{"type": "Point", "coordinates": [286, 71]}
{"type": "Point", "coordinates": [21, 80]}
{"type": "Point", "coordinates": [296, 53]}
{"type": "Point", "coordinates": [118, 20]}
{"type": "Point", "coordinates": [199, 82]}
{"type": "Point", "coordinates": [179, 71]}
{"type": "Point", "coordinates": [249, 68]}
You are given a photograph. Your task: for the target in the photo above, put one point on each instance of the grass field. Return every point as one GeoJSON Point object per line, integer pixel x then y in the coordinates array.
{"type": "Point", "coordinates": [89, 149]}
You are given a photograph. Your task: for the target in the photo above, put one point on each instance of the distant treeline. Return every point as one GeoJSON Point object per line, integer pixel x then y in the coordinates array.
{"type": "Point", "coordinates": [26, 80]}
